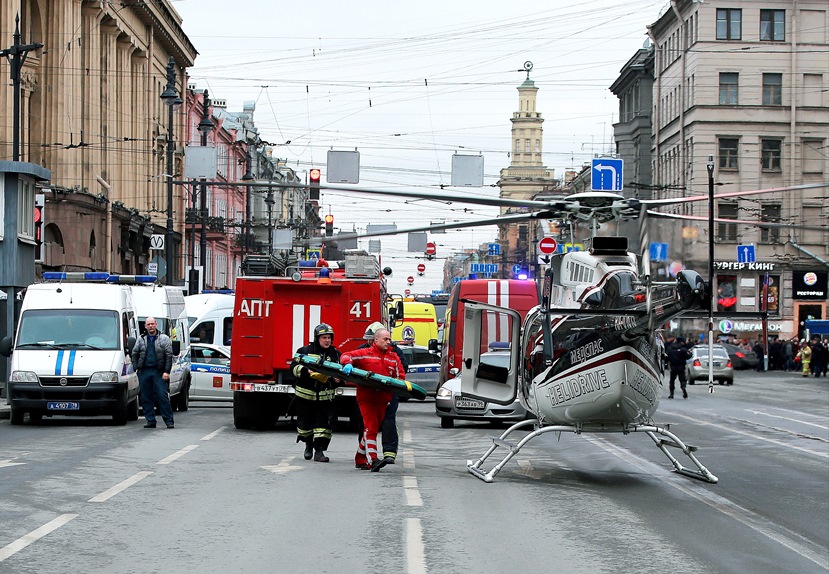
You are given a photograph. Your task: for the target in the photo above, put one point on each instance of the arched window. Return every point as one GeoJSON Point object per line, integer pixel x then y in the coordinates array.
{"type": "Point", "coordinates": [92, 243]}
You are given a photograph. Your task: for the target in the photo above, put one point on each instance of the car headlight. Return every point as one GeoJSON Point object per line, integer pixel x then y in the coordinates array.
{"type": "Point", "coordinates": [104, 377]}
{"type": "Point", "coordinates": [444, 393]}
{"type": "Point", "coordinates": [24, 377]}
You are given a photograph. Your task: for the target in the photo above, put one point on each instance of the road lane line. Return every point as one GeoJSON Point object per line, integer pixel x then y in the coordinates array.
{"type": "Point", "coordinates": [791, 540]}
{"type": "Point", "coordinates": [415, 552]}
{"type": "Point", "coordinates": [408, 458]}
{"type": "Point", "coordinates": [177, 455]}
{"type": "Point", "coordinates": [35, 535]}
{"type": "Point", "coordinates": [121, 486]}
{"type": "Point", "coordinates": [407, 436]}
{"type": "Point", "coordinates": [214, 433]}
{"type": "Point", "coordinates": [824, 427]}
{"type": "Point", "coordinates": [753, 435]}
{"type": "Point", "coordinates": [413, 497]}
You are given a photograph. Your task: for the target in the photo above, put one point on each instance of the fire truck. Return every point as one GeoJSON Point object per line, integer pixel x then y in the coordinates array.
{"type": "Point", "coordinates": [274, 316]}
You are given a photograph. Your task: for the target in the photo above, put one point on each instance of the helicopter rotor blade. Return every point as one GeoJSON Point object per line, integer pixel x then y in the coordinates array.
{"type": "Point", "coordinates": [768, 224]}
{"type": "Point", "coordinates": [678, 200]}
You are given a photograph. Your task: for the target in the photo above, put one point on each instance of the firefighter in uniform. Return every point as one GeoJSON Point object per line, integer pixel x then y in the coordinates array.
{"type": "Point", "coordinates": [380, 359]}
{"type": "Point", "coordinates": [315, 396]}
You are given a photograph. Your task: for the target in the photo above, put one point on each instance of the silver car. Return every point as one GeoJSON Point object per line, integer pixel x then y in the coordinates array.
{"type": "Point", "coordinates": [451, 405]}
{"type": "Point", "coordinates": [210, 373]}
{"type": "Point", "coordinates": [696, 368]}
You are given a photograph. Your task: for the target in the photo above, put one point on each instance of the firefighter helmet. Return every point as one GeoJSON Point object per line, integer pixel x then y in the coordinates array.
{"type": "Point", "coordinates": [323, 329]}
{"type": "Point", "coordinates": [373, 328]}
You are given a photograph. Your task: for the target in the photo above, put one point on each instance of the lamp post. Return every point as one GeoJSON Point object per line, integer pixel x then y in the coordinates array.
{"type": "Point", "coordinates": [205, 127]}
{"type": "Point", "coordinates": [172, 101]}
{"type": "Point", "coordinates": [247, 176]}
{"type": "Point", "coordinates": [710, 167]}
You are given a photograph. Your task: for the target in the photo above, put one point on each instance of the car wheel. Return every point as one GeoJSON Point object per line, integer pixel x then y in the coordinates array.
{"type": "Point", "coordinates": [184, 396]}
{"type": "Point", "coordinates": [721, 381]}
{"type": "Point", "coordinates": [35, 416]}
{"type": "Point", "coordinates": [447, 423]}
{"type": "Point", "coordinates": [16, 416]}
{"type": "Point", "coordinates": [119, 416]}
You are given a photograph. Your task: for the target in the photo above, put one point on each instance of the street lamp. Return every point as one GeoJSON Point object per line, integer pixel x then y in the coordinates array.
{"type": "Point", "coordinates": [247, 176]}
{"type": "Point", "coordinates": [205, 127]}
{"type": "Point", "coordinates": [172, 101]}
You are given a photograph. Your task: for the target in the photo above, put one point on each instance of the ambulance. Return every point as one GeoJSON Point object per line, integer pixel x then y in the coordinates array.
{"type": "Point", "coordinates": [71, 352]}
{"type": "Point", "coordinates": [520, 295]}
{"type": "Point", "coordinates": [418, 326]}
{"type": "Point", "coordinates": [274, 316]}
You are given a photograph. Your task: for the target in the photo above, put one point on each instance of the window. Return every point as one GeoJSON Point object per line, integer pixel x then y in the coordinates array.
{"type": "Point", "coordinates": [2, 205]}
{"type": "Point", "coordinates": [729, 82]}
{"type": "Point", "coordinates": [770, 212]}
{"type": "Point", "coordinates": [729, 24]}
{"type": "Point", "coordinates": [772, 293]}
{"type": "Point", "coordinates": [728, 153]}
{"type": "Point", "coordinates": [517, 146]}
{"type": "Point", "coordinates": [812, 157]}
{"type": "Point", "coordinates": [771, 155]}
{"type": "Point", "coordinates": [527, 146]}
{"type": "Point", "coordinates": [772, 89]}
{"type": "Point", "coordinates": [772, 25]}
{"type": "Point", "coordinates": [727, 231]}
{"type": "Point", "coordinates": [26, 209]}
{"type": "Point", "coordinates": [726, 292]}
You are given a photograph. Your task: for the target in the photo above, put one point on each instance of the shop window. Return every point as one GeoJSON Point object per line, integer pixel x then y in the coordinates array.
{"type": "Point", "coordinates": [726, 293]}
{"type": "Point", "coordinates": [772, 294]}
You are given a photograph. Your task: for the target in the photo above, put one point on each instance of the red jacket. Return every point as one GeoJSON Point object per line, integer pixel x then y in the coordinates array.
{"type": "Point", "coordinates": [372, 359]}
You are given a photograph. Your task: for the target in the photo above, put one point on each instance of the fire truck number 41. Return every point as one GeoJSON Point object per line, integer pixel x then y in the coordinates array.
{"type": "Point", "coordinates": [360, 309]}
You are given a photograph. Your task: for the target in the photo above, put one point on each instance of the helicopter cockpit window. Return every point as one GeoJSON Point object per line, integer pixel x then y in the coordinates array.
{"type": "Point", "coordinates": [617, 291]}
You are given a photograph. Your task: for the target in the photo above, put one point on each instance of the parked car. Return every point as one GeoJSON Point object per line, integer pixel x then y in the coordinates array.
{"type": "Point", "coordinates": [210, 373]}
{"type": "Point", "coordinates": [451, 405]}
{"type": "Point", "coordinates": [741, 358]}
{"type": "Point", "coordinates": [696, 368]}
{"type": "Point", "coordinates": [424, 367]}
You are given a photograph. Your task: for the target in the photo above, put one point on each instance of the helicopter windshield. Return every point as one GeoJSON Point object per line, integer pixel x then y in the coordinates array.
{"type": "Point", "coordinates": [620, 291]}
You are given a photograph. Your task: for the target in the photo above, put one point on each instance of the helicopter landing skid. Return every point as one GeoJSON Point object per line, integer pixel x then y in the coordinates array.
{"type": "Point", "coordinates": [667, 439]}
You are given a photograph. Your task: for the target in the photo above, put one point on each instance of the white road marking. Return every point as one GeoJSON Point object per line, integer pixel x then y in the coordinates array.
{"type": "Point", "coordinates": [415, 552]}
{"type": "Point", "coordinates": [753, 435]}
{"type": "Point", "coordinates": [789, 419]}
{"type": "Point", "coordinates": [123, 485]}
{"type": "Point", "coordinates": [178, 454]}
{"type": "Point", "coordinates": [408, 458]}
{"type": "Point", "coordinates": [528, 470]}
{"type": "Point", "coordinates": [34, 535]}
{"type": "Point", "coordinates": [407, 436]}
{"type": "Point", "coordinates": [8, 462]}
{"type": "Point", "coordinates": [759, 524]}
{"type": "Point", "coordinates": [412, 493]}
{"type": "Point", "coordinates": [214, 433]}
{"type": "Point", "coordinates": [282, 467]}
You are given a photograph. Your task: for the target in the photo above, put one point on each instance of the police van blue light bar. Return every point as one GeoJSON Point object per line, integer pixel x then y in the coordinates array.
{"type": "Point", "coordinates": [222, 291]}
{"type": "Point", "coordinates": [132, 279]}
{"type": "Point", "coordinates": [75, 276]}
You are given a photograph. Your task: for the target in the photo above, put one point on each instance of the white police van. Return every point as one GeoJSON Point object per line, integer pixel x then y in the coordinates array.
{"type": "Point", "coordinates": [166, 305]}
{"type": "Point", "coordinates": [71, 351]}
{"type": "Point", "coordinates": [211, 317]}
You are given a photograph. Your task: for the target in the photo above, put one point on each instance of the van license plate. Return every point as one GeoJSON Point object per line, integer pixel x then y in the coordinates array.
{"type": "Point", "coordinates": [63, 406]}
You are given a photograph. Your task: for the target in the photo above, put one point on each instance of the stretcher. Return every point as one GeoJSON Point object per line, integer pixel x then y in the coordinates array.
{"type": "Point", "coordinates": [361, 377]}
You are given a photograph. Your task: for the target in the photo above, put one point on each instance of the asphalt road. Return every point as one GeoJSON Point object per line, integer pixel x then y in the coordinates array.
{"type": "Point", "coordinates": [82, 495]}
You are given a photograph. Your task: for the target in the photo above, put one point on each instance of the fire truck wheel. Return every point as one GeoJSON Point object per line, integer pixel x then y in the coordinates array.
{"type": "Point", "coordinates": [243, 423]}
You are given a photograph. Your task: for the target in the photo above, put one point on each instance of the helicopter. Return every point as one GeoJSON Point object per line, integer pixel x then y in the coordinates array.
{"type": "Point", "coordinates": [589, 357]}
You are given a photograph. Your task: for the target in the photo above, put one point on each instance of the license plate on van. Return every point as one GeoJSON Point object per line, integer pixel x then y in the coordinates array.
{"type": "Point", "coordinates": [63, 406]}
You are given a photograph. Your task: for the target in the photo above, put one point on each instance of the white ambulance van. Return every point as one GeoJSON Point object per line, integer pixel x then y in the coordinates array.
{"type": "Point", "coordinates": [166, 305]}
{"type": "Point", "coordinates": [71, 351]}
{"type": "Point", "coordinates": [211, 317]}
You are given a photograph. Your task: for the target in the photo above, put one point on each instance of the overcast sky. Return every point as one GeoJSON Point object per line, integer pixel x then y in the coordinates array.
{"type": "Point", "coordinates": [408, 85]}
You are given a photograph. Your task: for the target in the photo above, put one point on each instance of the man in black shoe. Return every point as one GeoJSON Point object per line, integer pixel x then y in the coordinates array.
{"type": "Point", "coordinates": [678, 355]}
{"type": "Point", "coordinates": [152, 357]}
{"type": "Point", "coordinates": [315, 396]}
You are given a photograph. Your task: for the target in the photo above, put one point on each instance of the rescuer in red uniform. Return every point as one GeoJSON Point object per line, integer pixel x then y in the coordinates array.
{"type": "Point", "coordinates": [315, 396]}
{"type": "Point", "coordinates": [381, 359]}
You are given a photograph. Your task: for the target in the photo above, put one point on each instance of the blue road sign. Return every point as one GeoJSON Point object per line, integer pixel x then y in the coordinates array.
{"type": "Point", "coordinates": [494, 249]}
{"type": "Point", "coordinates": [313, 254]}
{"type": "Point", "coordinates": [658, 251]}
{"type": "Point", "coordinates": [606, 174]}
{"type": "Point", "coordinates": [745, 254]}
{"type": "Point", "coordinates": [516, 268]}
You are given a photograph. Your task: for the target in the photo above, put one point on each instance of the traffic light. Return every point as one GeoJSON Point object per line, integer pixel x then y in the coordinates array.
{"type": "Point", "coordinates": [329, 225]}
{"type": "Point", "coordinates": [314, 183]}
{"type": "Point", "coordinates": [38, 215]}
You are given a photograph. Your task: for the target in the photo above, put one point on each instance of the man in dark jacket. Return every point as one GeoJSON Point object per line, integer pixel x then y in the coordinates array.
{"type": "Point", "coordinates": [152, 358]}
{"type": "Point", "coordinates": [678, 354]}
{"type": "Point", "coordinates": [315, 410]}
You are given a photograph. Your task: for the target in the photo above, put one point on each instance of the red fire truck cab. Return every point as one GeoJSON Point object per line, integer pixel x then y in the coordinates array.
{"type": "Point", "coordinates": [274, 316]}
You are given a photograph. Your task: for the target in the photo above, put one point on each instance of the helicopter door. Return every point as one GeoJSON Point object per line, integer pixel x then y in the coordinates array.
{"type": "Point", "coordinates": [493, 378]}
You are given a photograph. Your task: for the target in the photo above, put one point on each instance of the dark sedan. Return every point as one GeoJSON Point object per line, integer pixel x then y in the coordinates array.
{"type": "Point", "coordinates": [741, 358]}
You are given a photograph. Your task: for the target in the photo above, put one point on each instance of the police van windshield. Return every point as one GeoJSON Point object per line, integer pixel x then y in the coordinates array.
{"type": "Point", "coordinates": [69, 328]}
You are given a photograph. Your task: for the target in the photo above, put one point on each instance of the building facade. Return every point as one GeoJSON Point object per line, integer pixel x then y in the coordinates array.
{"type": "Point", "coordinates": [745, 82]}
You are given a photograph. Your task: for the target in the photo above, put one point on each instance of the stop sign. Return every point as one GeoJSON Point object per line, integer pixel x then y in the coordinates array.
{"type": "Point", "coordinates": [547, 245]}
{"type": "Point", "coordinates": [421, 268]}
{"type": "Point", "coordinates": [431, 249]}
{"type": "Point", "coordinates": [407, 292]}
{"type": "Point", "coordinates": [410, 279]}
